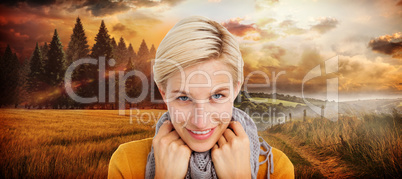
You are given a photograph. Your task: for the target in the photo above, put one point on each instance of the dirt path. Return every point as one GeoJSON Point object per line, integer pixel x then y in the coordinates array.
{"type": "Point", "coordinates": [329, 166]}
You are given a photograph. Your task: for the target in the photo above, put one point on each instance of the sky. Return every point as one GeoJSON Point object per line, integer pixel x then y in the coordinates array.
{"type": "Point", "coordinates": [280, 38]}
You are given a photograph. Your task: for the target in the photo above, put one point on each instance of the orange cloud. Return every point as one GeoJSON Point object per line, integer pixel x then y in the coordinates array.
{"type": "Point", "coordinates": [289, 27]}
{"type": "Point", "coordinates": [23, 23]}
{"type": "Point", "coordinates": [388, 44]}
{"type": "Point", "coordinates": [98, 8]}
{"type": "Point", "coordinates": [325, 24]}
{"type": "Point", "coordinates": [250, 31]}
{"type": "Point", "coordinates": [356, 73]}
{"type": "Point", "coordinates": [235, 27]}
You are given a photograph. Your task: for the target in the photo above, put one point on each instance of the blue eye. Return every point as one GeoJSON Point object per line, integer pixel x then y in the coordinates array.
{"type": "Point", "coordinates": [183, 98]}
{"type": "Point", "coordinates": [217, 96]}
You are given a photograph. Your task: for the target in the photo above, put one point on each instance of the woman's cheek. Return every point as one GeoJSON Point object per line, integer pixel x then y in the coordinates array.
{"type": "Point", "coordinates": [181, 121]}
{"type": "Point", "coordinates": [224, 110]}
{"type": "Point", "coordinates": [179, 116]}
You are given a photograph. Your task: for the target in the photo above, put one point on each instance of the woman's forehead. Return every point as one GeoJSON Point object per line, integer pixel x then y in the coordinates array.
{"type": "Point", "coordinates": [209, 74]}
{"type": "Point", "coordinates": [212, 71]}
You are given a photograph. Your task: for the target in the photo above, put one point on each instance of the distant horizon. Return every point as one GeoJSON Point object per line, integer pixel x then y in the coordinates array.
{"type": "Point", "coordinates": [342, 97]}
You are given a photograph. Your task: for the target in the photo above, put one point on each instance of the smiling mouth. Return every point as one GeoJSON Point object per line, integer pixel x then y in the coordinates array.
{"type": "Point", "coordinates": [201, 132]}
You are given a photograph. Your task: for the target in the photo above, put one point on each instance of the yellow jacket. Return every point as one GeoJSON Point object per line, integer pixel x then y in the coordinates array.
{"type": "Point", "coordinates": [130, 159]}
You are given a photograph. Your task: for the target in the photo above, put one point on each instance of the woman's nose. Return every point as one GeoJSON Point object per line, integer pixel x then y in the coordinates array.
{"type": "Point", "coordinates": [200, 118]}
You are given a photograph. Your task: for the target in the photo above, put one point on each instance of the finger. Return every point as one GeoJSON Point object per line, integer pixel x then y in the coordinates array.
{"type": "Point", "coordinates": [179, 142]}
{"type": "Point", "coordinates": [237, 129]}
{"type": "Point", "coordinates": [171, 136]}
{"type": "Point", "coordinates": [221, 141]}
{"type": "Point", "coordinates": [215, 147]}
{"type": "Point", "coordinates": [165, 128]}
{"type": "Point", "coordinates": [229, 135]}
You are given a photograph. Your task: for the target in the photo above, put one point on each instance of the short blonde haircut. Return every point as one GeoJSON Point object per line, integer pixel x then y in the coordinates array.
{"type": "Point", "coordinates": [194, 40]}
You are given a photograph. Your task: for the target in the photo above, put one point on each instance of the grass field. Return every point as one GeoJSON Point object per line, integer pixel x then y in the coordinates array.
{"type": "Point", "coordinates": [350, 147]}
{"type": "Point", "coordinates": [303, 168]}
{"type": "Point", "coordinates": [65, 143]}
{"type": "Point", "coordinates": [277, 101]}
{"type": "Point", "coordinates": [79, 143]}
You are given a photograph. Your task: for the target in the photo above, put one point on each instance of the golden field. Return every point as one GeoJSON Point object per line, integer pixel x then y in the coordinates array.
{"type": "Point", "coordinates": [369, 147]}
{"type": "Point", "coordinates": [79, 143]}
{"type": "Point", "coordinates": [65, 143]}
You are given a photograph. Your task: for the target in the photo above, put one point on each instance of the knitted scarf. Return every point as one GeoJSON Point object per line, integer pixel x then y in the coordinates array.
{"type": "Point", "coordinates": [201, 166]}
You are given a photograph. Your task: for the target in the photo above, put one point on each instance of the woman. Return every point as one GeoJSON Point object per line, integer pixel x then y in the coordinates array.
{"type": "Point", "coordinates": [199, 72]}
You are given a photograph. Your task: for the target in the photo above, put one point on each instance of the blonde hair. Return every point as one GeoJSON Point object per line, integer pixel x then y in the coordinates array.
{"type": "Point", "coordinates": [194, 40]}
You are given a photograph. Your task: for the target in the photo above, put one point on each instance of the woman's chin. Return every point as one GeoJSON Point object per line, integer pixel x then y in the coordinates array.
{"type": "Point", "coordinates": [200, 147]}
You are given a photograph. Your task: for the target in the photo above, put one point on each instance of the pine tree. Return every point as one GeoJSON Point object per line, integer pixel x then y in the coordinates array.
{"type": "Point", "coordinates": [114, 47]}
{"type": "Point", "coordinates": [2, 80]}
{"type": "Point", "coordinates": [142, 61]}
{"type": "Point", "coordinates": [23, 82]}
{"type": "Point", "coordinates": [143, 64]}
{"type": "Point", "coordinates": [143, 52]}
{"type": "Point", "coordinates": [152, 52]}
{"type": "Point", "coordinates": [129, 67]}
{"type": "Point", "coordinates": [129, 86]}
{"type": "Point", "coordinates": [15, 80]}
{"type": "Point", "coordinates": [102, 47]}
{"type": "Point", "coordinates": [143, 56]}
{"type": "Point", "coordinates": [9, 67]}
{"type": "Point", "coordinates": [154, 90]}
{"type": "Point", "coordinates": [121, 52]}
{"type": "Point", "coordinates": [35, 72]}
{"type": "Point", "coordinates": [35, 77]}
{"type": "Point", "coordinates": [113, 42]}
{"type": "Point", "coordinates": [44, 49]}
{"type": "Point", "coordinates": [131, 52]}
{"type": "Point", "coordinates": [78, 48]}
{"type": "Point", "coordinates": [55, 68]}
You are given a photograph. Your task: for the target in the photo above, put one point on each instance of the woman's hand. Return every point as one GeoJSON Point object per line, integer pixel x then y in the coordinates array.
{"type": "Point", "coordinates": [231, 156]}
{"type": "Point", "coordinates": [172, 155]}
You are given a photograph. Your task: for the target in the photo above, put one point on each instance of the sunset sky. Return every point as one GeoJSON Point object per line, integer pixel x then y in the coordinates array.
{"type": "Point", "coordinates": [292, 36]}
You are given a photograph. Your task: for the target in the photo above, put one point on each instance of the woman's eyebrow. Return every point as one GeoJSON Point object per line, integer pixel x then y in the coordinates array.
{"type": "Point", "coordinates": [216, 91]}
{"type": "Point", "coordinates": [179, 91]}
{"type": "Point", "coordinates": [221, 89]}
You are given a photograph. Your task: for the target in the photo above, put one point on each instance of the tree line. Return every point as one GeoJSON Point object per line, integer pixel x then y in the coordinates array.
{"type": "Point", "coordinates": [39, 81]}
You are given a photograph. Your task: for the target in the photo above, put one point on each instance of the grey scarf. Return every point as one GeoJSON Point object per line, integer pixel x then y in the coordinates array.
{"type": "Point", "coordinates": [201, 166]}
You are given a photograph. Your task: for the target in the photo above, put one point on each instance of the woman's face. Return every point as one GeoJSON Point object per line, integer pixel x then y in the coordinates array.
{"type": "Point", "coordinates": [200, 101]}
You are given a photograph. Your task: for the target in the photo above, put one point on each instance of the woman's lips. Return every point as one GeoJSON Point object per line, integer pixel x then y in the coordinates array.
{"type": "Point", "coordinates": [201, 135]}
